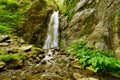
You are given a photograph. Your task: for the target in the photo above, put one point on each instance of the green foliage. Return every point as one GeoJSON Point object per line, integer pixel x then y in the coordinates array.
{"type": "Point", "coordinates": [11, 5]}
{"type": "Point", "coordinates": [3, 29]}
{"type": "Point", "coordinates": [9, 57]}
{"type": "Point", "coordinates": [80, 34]}
{"type": "Point", "coordinates": [94, 59]}
{"type": "Point", "coordinates": [8, 16]}
{"type": "Point", "coordinates": [11, 13]}
{"type": "Point", "coordinates": [61, 6]}
{"type": "Point", "coordinates": [4, 56]}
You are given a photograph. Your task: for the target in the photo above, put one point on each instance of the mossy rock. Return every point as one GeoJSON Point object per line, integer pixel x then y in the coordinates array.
{"type": "Point", "coordinates": [34, 27]}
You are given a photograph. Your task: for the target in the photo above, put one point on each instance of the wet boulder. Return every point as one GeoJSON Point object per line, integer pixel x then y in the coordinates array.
{"type": "Point", "coordinates": [77, 76]}
{"type": "Point", "coordinates": [26, 48]}
{"type": "Point", "coordinates": [4, 38]}
{"type": "Point", "coordinates": [3, 44]}
{"type": "Point", "coordinates": [2, 64]}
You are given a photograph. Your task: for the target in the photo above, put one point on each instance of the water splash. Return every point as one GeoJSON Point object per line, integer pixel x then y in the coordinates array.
{"type": "Point", "coordinates": [52, 35]}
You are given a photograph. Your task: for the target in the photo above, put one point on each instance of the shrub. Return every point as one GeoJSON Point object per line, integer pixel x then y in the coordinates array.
{"type": "Point", "coordinates": [94, 59]}
{"type": "Point", "coordinates": [3, 29]}
{"type": "Point", "coordinates": [11, 14]}
{"type": "Point", "coordinates": [11, 5]}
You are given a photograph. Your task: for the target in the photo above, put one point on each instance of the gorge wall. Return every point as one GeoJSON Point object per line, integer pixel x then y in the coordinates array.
{"type": "Point", "coordinates": [96, 21]}
{"type": "Point", "coordinates": [33, 27]}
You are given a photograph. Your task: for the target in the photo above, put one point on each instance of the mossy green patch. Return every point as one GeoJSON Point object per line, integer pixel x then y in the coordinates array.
{"type": "Point", "coordinates": [11, 13]}
{"type": "Point", "coordinates": [4, 56]}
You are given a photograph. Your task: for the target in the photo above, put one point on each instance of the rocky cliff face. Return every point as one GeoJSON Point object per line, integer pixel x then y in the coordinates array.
{"type": "Point", "coordinates": [34, 26]}
{"type": "Point", "coordinates": [94, 21]}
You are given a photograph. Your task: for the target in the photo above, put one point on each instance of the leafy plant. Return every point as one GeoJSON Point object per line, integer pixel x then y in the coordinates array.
{"type": "Point", "coordinates": [4, 56]}
{"type": "Point", "coordinates": [3, 29]}
{"type": "Point", "coordinates": [94, 59]}
{"type": "Point", "coordinates": [11, 14]}
{"type": "Point", "coordinates": [11, 5]}
{"type": "Point", "coordinates": [118, 22]}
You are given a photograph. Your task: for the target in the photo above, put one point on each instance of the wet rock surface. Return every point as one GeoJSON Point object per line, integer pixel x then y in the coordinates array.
{"type": "Point", "coordinates": [51, 64]}
{"type": "Point", "coordinates": [2, 64]}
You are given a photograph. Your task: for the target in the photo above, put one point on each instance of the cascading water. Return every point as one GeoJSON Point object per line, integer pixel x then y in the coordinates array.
{"type": "Point", "coordinates": [52, 35]}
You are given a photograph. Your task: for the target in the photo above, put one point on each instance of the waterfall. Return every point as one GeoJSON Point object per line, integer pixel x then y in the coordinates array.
{"type": "Point", "coordinates": [52, 34]}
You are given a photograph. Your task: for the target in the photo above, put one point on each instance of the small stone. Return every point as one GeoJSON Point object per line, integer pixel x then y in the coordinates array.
{"type": "Point", "coordinates": [4, 44]}
{"type": "Point", "coordinates": [77, 66]}
{"type": "Point", "coordinates": [97, 1]}
{"type": "Point", "coordinates": [26, 48]}
{"type": "Point", "coordinates": [41, 56]}
{"type": "Point", "coordinates": [68, 79]}
{"type": "Point", "coordinates": [22, 41]}
{"type": "Point", "coordinates": [81, 4]}
{"type": "Point", "coordinates": [41, 52]}
{"type": "Point", "coordinates": [44, 62]}
{"type": "Point", "coordinates": [101, 45]}
{"type": "Point", "coordinates": [15, 64]}
{"type": "Point", "coordinates": [115, 74]}
{"type": "Point", "coordinates": [4, 38]}
{"type": "Point", "coordinates": [11, 50]}
{"type": "Point", "coordinates": [2, 64]}
{"type": "Point", "coordinates": [9, 41]}
{"type": "Point", "coordinates": [29, 63]}
{"type": "Point", "coordinates": [91, 78]}
{"type": "Point", "coordinates": [77, 76]}
{"type": "Point", "coordinates": [117, 53]}
{"type": "Point", "coordinates": [71, 58]}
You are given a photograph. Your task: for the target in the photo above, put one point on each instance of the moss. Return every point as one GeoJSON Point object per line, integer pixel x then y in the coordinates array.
{"type": "Point", "coordinates": [12, 13]}
{"type": "Point", "coordinates": [80, 34]}
{"type": "Point", "coordinates": [4, 56]}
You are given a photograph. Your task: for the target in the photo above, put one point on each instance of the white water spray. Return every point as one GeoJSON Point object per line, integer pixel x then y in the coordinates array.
{"type": "Point", "coordinates": [52, 35]}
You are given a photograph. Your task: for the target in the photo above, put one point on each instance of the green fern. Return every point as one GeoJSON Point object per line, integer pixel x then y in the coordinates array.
{"type": "Point", "coordinates": [94, 59]}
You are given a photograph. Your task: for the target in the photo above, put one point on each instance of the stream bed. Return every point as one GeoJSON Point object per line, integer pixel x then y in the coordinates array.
{"type": "Point", "coordinates": [54, 65]}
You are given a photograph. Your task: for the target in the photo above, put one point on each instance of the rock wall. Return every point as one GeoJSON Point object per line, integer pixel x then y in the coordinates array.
{"type": "Point", "coordinates": [34, 26]}
{"type": "Point", "coordinates": [94, 21]}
